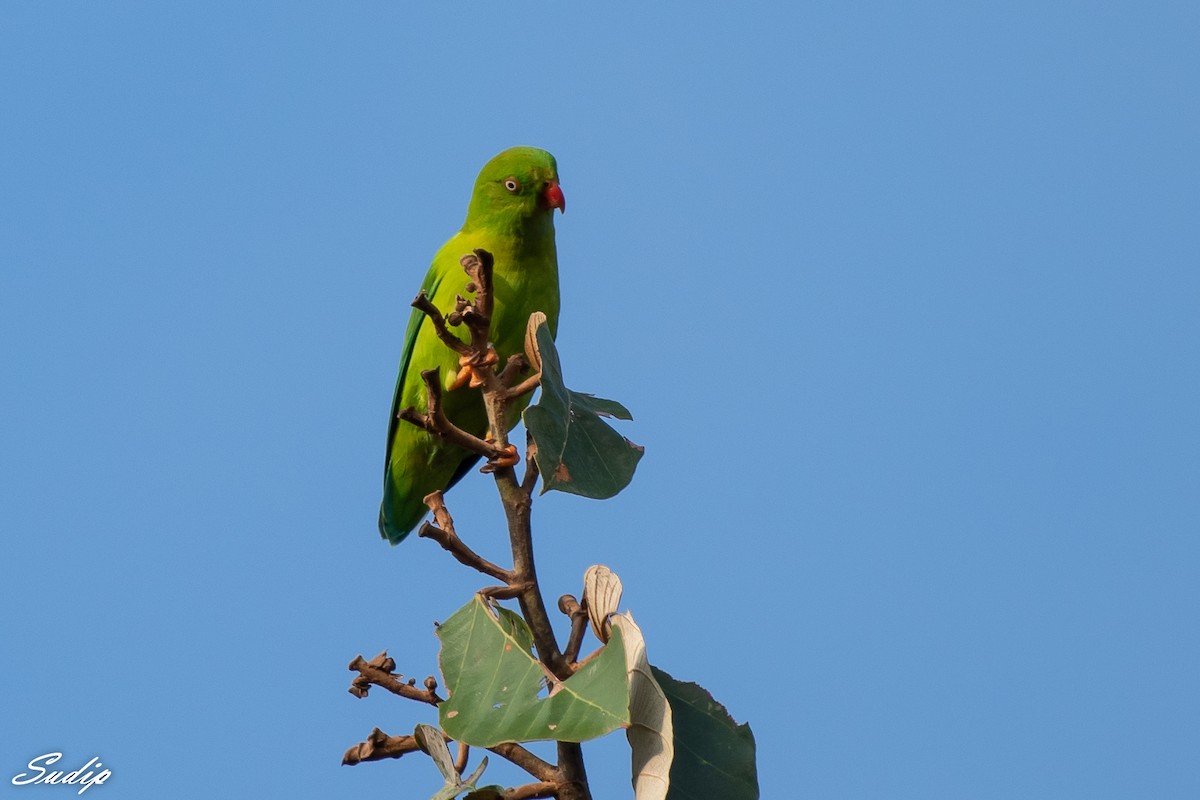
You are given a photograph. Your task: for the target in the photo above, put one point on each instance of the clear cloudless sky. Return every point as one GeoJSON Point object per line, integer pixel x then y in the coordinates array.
{"type": "Point", "coordinates": [905, 300]}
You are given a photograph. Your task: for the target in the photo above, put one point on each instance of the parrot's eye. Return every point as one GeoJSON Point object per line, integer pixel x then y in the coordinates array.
{"type": "Point", "coordinates": [512, 185]}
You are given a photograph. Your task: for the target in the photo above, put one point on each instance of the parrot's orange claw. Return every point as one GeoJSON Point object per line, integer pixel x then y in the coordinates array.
{"type": "Point", "coordinates": [464, 376]}
{"type": "Point", "coordinates": [471, 369]}
{"type": "Point", "coordinates": [508, 458]}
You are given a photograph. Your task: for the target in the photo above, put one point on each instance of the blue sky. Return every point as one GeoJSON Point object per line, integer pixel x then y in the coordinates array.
{"type": "Point", "coordinates": [903, 299]}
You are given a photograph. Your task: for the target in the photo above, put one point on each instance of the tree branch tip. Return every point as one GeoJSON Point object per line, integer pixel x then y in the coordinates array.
{"type": "Point", "coordinates": [568, 605]}
{"type": "Point", "coordinates": [383, 661]}
{"type": "Point", "coordinates": [422, 302]}
{"type": "Point", "coordinates": [378, 746]}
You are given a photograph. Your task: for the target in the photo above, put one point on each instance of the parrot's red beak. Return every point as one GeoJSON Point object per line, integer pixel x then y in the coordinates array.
{"type": "Point", "coordinates": [554, 197]}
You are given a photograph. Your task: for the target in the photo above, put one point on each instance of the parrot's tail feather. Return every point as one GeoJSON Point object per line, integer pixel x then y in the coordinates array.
{"type": "Point", "coordinates": [392, 532]}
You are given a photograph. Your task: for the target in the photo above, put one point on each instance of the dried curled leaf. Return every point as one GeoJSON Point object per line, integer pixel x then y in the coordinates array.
{"type": "Point", "coordinates": [532, 354]}
{"type": "Point", "coordinates": [651, 732]}
{"type": "Point", "coordinates": [433, 743]}
{"type": "Point", "coordinates": [602, 596]}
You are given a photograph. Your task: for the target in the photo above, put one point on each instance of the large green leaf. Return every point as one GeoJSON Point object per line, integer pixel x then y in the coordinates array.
{"type": "Point", "coordinates": [577, 451]}
{"type": "Point", "coordinates": [714, 756]}
{"type": "Point", "coordinates": [494, 680]}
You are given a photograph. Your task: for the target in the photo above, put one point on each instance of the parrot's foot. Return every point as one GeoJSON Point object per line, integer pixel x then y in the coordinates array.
{"type": "Point", "coordinates": [507, 458]}
{"type": "Point", "coordinates": [471, 369]}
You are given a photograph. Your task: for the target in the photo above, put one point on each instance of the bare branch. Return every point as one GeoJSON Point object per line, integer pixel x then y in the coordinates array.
{"type": "Point", "coordinates": [436, 503]}
{"type": "Point", "coordinates": [435, 421]}
{"type": "Point", "coordinates": [516, 365]}
{"type": "Point", "coordinates": [465, 555]}
{"type": "Point", "coordinates": [579, 622]}
{"type": "Point", "coordinates": [378, 672]}
{"type": "Point", "coordinates": [509, 592]}
{"type": "Point", "coordinates": [448, 538]}
{"type": "Point", "coordinates": [526, 386]}
{"type": "Point", "coordinates": [542, 770]}
{"type": "Point", "coordinates": [464, 753]}
{"type": "Point", "coordinates": [423, 303]}
{"type": "Point", "coordinates": [572, 774]}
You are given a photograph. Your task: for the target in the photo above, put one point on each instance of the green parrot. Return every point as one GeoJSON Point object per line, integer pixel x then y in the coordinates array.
{"type": "Point", "coordinates": [511, 215]}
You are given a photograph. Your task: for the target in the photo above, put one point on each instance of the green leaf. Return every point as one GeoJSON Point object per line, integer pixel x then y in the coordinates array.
{"type": "Point", "coordinates": [577, 451]}
{"type": "Point", "coordinates": [714, 756]}
{"type": "Point", "coordinates": [494, 680]}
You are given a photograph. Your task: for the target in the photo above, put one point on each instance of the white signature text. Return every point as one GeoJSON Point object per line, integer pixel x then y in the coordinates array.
{"type": "Point", "coordinates": [86, 776]}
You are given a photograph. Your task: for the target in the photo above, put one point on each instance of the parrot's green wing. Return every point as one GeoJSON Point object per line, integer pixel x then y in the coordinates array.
{"type": "Point", "coordinates": [433, 279]}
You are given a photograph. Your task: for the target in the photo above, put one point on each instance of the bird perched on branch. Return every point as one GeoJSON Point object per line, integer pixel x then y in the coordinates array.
{"type": "Point", "coordinates": [511, 215]}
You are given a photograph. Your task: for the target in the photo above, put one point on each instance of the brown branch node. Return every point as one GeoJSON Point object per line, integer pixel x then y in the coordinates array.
{"type": "Point", "coordinates": [378, 746]}
{"type": "Point", "coordinates": [577, 611]}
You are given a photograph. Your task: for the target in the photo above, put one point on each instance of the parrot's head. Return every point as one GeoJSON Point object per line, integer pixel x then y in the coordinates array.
{"type": "Point", "coordinates": [518, 186]}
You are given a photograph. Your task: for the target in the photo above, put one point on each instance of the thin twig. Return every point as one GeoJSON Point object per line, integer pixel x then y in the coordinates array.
{"type": "Point", "coordinates": [435, 421]}
{"type": "Point", "coordinates": [436, 503]}
{"type": "Point", "coordinates": [525, 386]}
{"type": "Point", "coordinates": [515, 365]}
{"type": "Point", "coordinates": [423, 303]}
{"type": "Point", "coordinates": [542, 770]}
{"type": "Point", "coordinates": [579, 622]}
{"type": "Point", "coordinates": [465, 555]}
{"type": "Point", "coordinates": [464, 754]}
